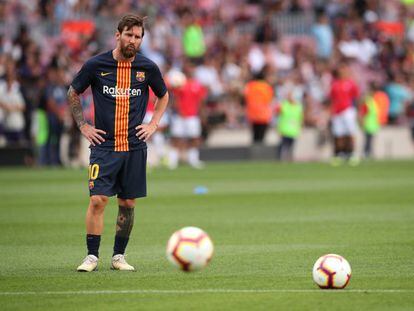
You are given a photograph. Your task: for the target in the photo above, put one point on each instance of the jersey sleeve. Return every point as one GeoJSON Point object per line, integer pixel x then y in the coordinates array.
{"type": "Point", "coordinates": [83, 78]}
{"type": "Point", "coordinates": [156, 82]}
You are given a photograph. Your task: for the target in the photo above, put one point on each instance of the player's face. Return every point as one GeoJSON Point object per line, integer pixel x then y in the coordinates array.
{"type": "Point", "coordinates": [129, 41]}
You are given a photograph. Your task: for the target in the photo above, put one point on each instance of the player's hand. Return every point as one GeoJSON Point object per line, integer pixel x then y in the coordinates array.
{"type": "Point", "coordinates": [92, 134]}
{"type": "Point", "coordinates": [145, 131]}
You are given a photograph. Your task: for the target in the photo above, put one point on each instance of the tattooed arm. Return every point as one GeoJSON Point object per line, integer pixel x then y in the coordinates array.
{"type": "Point", "coordinates": [90, 132]}
{"type": "Point", "coordinates": [76, 107]}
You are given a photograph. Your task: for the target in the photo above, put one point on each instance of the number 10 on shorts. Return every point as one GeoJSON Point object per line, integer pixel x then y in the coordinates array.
{"type": "Point", "coordinates": [93, 171]}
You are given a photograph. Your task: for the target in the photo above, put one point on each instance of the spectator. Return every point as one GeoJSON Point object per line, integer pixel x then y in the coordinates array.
{"type": "Point", "coordinates": [399, 96]}
{"type": "Point", "coordinates": [324, 37]}
{"type": "Point", "coordinates": [207, 74]}
{"type": "Point", "coordinates": [12, 108]}
{"type": "Point", "coordinates": [30, 74]}
{"type": "Point", "coordinates": [57, 110]}
{"type": "Point", "coordinates": [226, 40]}
{"type": "Point", "coordinates": [40, 126]}
{"type": "Point", "coordinates": [410, 117]}
{"type": "Point", "coordinates": [265, 31]}
{"type": "Point", "coordinates": [193, 37]}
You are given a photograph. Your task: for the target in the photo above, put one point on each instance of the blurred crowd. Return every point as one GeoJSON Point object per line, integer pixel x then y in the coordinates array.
{"type": "Point", "coordinates": [239, 51]}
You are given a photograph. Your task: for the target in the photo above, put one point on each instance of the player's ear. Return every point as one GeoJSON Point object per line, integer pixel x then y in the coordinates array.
{"type": "Point", "coordinates": [117, 35]}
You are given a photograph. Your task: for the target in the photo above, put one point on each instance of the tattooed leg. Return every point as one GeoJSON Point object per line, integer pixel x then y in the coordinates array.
{"type": "Point", "coordinates": [124, 224]}
{"type": "Point", "coordinates": [125, 221]}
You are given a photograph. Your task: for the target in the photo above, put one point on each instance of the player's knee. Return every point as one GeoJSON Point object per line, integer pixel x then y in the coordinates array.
{"type": "Point", "coordinates": [129, 203]}
{"type": "Point", "coordinates": [98, 203]}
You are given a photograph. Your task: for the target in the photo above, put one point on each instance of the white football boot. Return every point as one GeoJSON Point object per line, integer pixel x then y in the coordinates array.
{"type": "Point", "coordinates": [90, 263]}
{"type": "Point", "coordinates": [119, 263]}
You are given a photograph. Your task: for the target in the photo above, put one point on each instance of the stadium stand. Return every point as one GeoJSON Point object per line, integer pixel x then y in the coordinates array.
{"type": "Point", "coordinates": [299, 42]}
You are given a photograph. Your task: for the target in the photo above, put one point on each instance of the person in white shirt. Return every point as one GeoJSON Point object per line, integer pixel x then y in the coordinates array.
{"type": "Point", "coordinates": [12, 108]}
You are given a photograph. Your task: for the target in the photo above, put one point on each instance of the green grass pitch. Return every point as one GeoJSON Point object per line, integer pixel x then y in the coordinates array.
{"type": "Point", "coordinates": [269, 223]}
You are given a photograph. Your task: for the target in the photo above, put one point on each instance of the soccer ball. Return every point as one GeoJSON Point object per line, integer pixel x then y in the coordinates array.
{"type": "Point", "coordinates": [331, 272]}
{"type": "Point", "coordinates": [190, 249]}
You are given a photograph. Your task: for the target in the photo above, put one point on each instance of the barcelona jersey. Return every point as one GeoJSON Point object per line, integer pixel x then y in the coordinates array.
{"type": "Point", "coordinates": [120, 93]}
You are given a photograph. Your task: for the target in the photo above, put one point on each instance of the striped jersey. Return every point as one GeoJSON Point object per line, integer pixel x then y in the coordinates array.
{"type": "Point", "coordinates": [120, 94]}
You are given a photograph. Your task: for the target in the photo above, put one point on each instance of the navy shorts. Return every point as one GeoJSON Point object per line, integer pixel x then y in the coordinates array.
{"type": "Point", "coordinates": [120, 173]}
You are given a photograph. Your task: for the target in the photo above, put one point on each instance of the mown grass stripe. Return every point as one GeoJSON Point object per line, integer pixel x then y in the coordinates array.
{"type": "Point", "coordinates": [205, 291]}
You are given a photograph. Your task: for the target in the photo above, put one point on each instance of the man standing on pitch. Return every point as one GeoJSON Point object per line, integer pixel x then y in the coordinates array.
{"type": "Point", "coordinates": [344, 95]}
{"type": "Point", "coordinates": [120, 81]}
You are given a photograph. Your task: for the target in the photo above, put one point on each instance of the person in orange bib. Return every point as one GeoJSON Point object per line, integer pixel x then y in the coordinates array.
{"type": "Point", "coordinates": [258, 94]}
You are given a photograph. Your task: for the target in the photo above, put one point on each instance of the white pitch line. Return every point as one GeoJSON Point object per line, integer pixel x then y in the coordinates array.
{"type": "Point", "coordinates": [204, 291]}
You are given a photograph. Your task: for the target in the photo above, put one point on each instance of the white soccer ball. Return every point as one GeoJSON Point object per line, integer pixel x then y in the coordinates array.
{"type": "Point", "coordinates": [176, 78]}
{"type": "Point", "coordinates": [331, 272]}
{"type": "Point", "coordinates": [190, 249]}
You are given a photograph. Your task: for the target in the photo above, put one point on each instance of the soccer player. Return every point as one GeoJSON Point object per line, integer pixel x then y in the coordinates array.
{"type": "Point", "coordinates": [344, 95]}
{"type": "Point", "coordinates": [289, 126]}
{"type": "Point", "coordinates": [185, 121]}
{"type": "Point", "coordinates": [370, 119]}
{"type": "Point", "coordinates": [120, 81]}
{"type": "Point", "coordinates": [258, 94]}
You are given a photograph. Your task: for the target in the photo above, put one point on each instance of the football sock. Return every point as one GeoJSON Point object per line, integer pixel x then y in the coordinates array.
{"type": "Point", "coordinates": [120, 245]}
{"type": "Point", "coordinates": [93, 241]}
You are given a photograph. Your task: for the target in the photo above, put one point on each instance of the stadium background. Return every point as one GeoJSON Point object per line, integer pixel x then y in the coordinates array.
{"type": "Point", "coordinates": [44, 43]}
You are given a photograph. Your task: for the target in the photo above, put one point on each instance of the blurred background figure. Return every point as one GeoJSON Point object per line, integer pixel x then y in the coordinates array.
{"type": "Point", "coordinates": [344, 96]}
{"type": "Point", "coordinates": [410, 116]}
{"type": "Point", "coordinates": [193, 37]}
{"type": "Point", "coordinates": [288, 44]}
{"type": "Point", "coordinates": [258, 95]}
{"type": "Point", "coordinates": [40, 127]}
{"type": "Point", "coordinates": [57, 113]}
{"type": "Point", "coordinates": [382, 102]}
{"type": "Point", "coordinates": [324, 36]}
{"type": "Point", "coordinates": [157, 145]}
{"type": "Point", "coordinates": [399, 96]}
{"type": "Point", "coordinates": [370, 117]}
{"type": "Point", "coordinates": [188, 100]}
{"type": "Point", "coordinates": [12, 107]}
{"type": "Point", "coordinates": [289, 125]}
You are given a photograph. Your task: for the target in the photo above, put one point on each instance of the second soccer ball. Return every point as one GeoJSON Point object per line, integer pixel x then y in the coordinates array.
{"type": "Point", "coordinates": [331, 272]}
{"type": "Point", "coordinates": [190, 249]}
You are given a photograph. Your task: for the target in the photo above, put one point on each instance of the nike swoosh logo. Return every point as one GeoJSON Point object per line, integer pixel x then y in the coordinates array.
{"type": "Point", "coordinates": [103, 74]}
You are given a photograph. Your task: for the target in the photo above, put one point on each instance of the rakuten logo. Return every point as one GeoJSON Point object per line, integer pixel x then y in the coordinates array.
{"type": "Point", "coordinates": [120, 92]}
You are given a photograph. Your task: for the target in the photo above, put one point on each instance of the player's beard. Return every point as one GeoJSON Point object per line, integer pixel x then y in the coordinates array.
{"type": "Point", "coordinates": [128, 50]}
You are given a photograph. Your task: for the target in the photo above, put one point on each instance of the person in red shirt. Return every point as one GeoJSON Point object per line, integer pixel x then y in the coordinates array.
{"type": "Point", "coordinates": [185, 120]}
{"type": "Point", "coordinates": [343, 96]}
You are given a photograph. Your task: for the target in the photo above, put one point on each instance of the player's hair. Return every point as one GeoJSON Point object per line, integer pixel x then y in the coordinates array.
{"type": "Point", "coordinates": [129, 21]}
